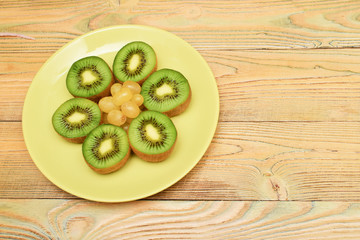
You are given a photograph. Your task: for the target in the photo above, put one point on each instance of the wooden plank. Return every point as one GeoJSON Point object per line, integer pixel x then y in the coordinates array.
{"type": "Point", "coordinates": [314, 85]}
{"type": "Point", "coordinates": [281, 85]}
{"type": "Point", "coordinates": [287, 85]}
{"type": "Point", "coordinates": [245, 161]}
{"type": "Point", "coordinates": [74, 219]}
{"type": "Point", "coordinates": [246, 24]}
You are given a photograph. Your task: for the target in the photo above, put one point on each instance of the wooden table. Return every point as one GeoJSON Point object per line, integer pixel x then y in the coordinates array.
{"type": "Point", "coordinates": [285, 159]}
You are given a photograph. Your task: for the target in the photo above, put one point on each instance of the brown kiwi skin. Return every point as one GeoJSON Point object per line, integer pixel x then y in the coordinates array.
{"type": "Point", "coordinates": [113, 168]}
{"type": "Point", "coordinates": [75, 140]}
{"type": "Point", "coordinates": [181, 108]}
{"type": "Point", "coordinates": [143, 80]}
{"type": "Point", "coordinates": [153, 157]}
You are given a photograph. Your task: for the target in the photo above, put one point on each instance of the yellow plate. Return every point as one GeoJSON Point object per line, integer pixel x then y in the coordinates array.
{"type": "Point", "coordinates": [62, 162]}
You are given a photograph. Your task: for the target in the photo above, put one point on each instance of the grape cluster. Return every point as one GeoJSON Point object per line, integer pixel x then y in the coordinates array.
{"type": "Point", "coordinates": [123, 104]}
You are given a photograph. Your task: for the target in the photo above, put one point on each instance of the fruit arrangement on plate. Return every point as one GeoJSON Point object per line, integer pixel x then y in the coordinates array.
{"type": "Point", "coordinates": [123, 109]}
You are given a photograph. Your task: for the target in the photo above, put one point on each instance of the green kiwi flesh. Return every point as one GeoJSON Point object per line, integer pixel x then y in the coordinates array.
{"type": "Point", "coordinates": [152, 136]}
{"type": "Point", "coordinates": [89, 77]}
{"type": "Point", "coordinates": [166, 91]}
{"type": "Point", "coordinates": [134, 62]}
{"type": "Point", "coordinates": [106, 148]}
{"type": "Point", "coordinates": [76, 118]}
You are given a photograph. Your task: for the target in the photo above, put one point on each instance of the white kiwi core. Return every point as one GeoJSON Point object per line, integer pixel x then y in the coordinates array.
{"type": "Point", "coordinates": [106, 146]}
{"type": "Point", "coordinates": [134, 62]}
{"type": "Point", "coordinates": [152, 132]}
{"type": "Point", "coordinates": [88, 77]}
{"type": "Point", "coordinates": [76, 117]}
{"type": "Point", "coordinates": [164, 89]}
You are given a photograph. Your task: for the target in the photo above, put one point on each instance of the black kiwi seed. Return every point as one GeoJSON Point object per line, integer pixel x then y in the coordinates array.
{"type": "Point", "coordinates": [89, 77]}
{"type": "Point", "coordinates": [152, 136]}
{"type": "Point", "coordinates": [106, 148]}
{"type": "Point", "coordinates": [166, 91]}
{"type": "Point", "coordinates": [134, 62]}
{"type": "Point", "coordinates": [139, 67]}
{"type": "Point", "coordinates": [75, 118]}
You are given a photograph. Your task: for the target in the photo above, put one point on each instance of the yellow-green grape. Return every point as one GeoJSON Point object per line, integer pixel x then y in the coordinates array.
{"type": "Point", "coordinates": [130, 109]}
{"type": "Point", "coordinates": [116, 117]}
{"type": "Point", "coordinates": [106, 104]}
{"type": "Point", "coordinates": [133, 86]}
{"type": "Point", "coordinates": [138, 99]}
{"type": "Point", "coordinates": [122, 96]}
{"type": "Point", "coordinates": [115, 88]}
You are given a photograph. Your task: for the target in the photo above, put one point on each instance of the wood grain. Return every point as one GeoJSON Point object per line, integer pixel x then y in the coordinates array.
{"type": "Point", "coordinates": [77, 219]}
{"type": "Point", "coordinates": [309, 83]}
{"type": "Point", "coordinates": [278, 85]}
{"type": "Point", "coordinates": [245, 161]}
{"type": "Point", "coordinates": [247, 24]}
{"type": "Point", "coordinates": [270, 85]}
{"type": "Point", "coordinates": [284, 161]}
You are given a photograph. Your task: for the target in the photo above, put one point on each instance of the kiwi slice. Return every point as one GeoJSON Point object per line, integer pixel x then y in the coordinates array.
{"type": "Point", "coordinates": [89, 77]}
{"type": "Point", "coordinates": [152, 136]}
{"type": "Point", "coordinates": [134, 62]}
{"type": "Point", "coordinates": [106, 148]}
{"type": "Point", "coordinates": [75, 118]}
{"type": "Point", "coordinates": [166, 91]}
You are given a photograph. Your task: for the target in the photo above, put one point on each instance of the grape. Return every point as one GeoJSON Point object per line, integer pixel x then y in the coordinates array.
{"type": "Point", "coordinates": [133, 86]}
{"type": "Point", "coordinates": [115, 88]}
{"type": "Point", "coordinates": [106, 104]}
{"type": "Point", "coordinates": [138, 99]}
{"type": "Point", "coordinates": [122, 96]}
{"type": "Point", "coordinates": [116, 117]}
{"type": "Point", "coordinates": [130, 109]}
